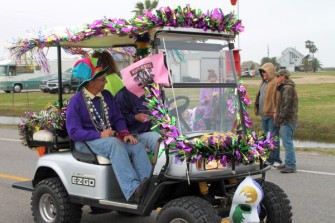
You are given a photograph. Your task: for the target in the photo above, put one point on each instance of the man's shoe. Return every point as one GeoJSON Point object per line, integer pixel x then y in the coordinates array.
{"type": "Point", "coordinates": [281, 166]}
{"type": "Point", "coordinates": [288, 170]}
{"type": "Point", "coordinates": [140, 190]}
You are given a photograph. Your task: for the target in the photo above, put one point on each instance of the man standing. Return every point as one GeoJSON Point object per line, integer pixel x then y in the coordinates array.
{"type": "Point", "coordinates": [286, 117]}
{"type": "Point", "coordinates": [265, 107]}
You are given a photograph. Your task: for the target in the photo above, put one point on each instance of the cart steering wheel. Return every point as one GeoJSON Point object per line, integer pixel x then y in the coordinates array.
{"type": "Point", "coordinates": [181, 109]}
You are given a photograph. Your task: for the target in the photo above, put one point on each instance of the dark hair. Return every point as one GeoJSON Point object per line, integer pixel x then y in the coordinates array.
{"type": "Point", "coordinates": [106, 60]}
{"type": "Point", "coordinates": [212, 74]}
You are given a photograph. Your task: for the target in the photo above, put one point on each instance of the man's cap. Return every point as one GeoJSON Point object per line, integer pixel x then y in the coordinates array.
{"type": "Point", "coordinates": [283, 72]}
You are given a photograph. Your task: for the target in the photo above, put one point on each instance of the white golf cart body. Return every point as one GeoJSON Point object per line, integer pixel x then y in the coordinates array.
{"type": "Point", "coordinates": [190, 53]}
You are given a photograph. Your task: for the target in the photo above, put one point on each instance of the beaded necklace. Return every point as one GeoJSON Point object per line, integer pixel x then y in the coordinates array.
{"type": "Point", "coordinates": [100, 123]}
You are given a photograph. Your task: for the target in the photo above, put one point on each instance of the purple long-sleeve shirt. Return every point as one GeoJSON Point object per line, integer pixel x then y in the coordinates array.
{"type": "Point", "coordinates": [208, 108]}
{"type": "Point", "coordinates": [79, 124]}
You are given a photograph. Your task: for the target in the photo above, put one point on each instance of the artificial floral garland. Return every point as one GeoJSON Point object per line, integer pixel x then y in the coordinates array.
{"type": "Point", "coordinates": [53, 118]}
{"type": "Point", "coordinates": [221, 147]}
{"type": "Point", "coordinates": [187, 17]}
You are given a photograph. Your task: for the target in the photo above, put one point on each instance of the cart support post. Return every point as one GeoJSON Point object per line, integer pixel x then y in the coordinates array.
{"type": "Point", "coordinates": [60, 86]}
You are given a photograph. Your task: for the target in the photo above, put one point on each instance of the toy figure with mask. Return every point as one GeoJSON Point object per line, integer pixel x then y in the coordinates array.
{"type": "Point", "coordinates": [246, 200]}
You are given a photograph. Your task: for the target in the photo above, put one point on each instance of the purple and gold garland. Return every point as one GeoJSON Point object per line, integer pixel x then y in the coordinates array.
{"type": "Point", "coordinates": [187, 17]}
{"type": "Point", "coordinates": [222, 147]}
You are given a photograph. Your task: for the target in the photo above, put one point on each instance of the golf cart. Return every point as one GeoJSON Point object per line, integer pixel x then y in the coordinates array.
{"type": "Point", "coordinates": [196, 169]}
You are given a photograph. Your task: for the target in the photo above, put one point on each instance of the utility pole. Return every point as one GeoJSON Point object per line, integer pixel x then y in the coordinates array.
{"type": "Point", "coordinates": [268, 51]}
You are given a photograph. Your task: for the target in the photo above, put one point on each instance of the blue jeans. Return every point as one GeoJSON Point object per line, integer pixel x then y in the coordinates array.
{"type": "Point", "coordinates": [287, 131]}
{"type": "Point", "coordinates": [269, 125]}
{"type": "Point", "coordinates": [149, 140]}
{"type": "Point", "coordinates": [130, 162]}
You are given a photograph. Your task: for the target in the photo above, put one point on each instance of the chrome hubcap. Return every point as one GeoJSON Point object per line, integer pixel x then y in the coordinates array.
{"type": "Point", "coordinates": [47, 208]}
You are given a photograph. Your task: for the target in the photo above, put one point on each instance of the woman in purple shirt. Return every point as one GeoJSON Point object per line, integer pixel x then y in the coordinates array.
{"type": "Point", "coordinates": [209, 99]}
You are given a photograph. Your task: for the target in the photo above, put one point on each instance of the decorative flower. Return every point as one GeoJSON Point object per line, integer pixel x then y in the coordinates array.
{"type": "Point", "coordinates": [52, 118]}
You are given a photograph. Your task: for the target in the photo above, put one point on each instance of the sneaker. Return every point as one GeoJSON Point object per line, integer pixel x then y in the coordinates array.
{"type": "Point", "coordinates": [281, 166]}
{"type": "Point", "coordinates": [288, 170]}
{"type": "Point", "coordinates": [276, 164]}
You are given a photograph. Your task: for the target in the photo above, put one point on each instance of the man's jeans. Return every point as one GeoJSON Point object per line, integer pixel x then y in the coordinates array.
{"type": "Point", "coordinates": [269, 125]}
{"type": "Point", "coordinates": [130, 162]}
{"type": "Point", "coordinates": [287, 132]}
{"type": "Point", "coordinates": [149, 140]}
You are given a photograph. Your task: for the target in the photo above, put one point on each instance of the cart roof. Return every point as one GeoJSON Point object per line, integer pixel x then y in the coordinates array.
{"type": "Point", "coordinates": [106, 33]}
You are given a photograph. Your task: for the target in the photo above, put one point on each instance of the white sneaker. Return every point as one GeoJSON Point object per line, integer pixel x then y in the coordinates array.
{"type": "Point", "coordinates": [276, 164]}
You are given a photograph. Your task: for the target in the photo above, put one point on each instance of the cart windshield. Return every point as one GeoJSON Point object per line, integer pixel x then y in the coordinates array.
{"type": "Point", "coordinates": [203, 95]}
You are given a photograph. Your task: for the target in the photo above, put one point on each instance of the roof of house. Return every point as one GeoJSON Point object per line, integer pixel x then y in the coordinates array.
{"type": "Point", "coordinates": [291, 49]}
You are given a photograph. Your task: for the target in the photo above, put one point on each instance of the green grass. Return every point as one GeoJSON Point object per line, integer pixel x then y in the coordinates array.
{"type": "Point", "coordinates": [316, 116]}
{"type": "Point", "coordinates": [316, 106]}
{"type": "Point", "coordinates": [15, 104]}
{"type": "Point", "coordinates": [330, 152]}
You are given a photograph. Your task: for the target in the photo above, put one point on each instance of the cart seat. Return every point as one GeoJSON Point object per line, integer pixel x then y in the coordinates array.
{"type": "Point", "coordinates": [49, 139]}
{"type": "Point", "coordinates": [103, 160]}
{"type": "Point", "coordinates": [88, 157]}
{"type": "Point", "coordinates": [48, 136]}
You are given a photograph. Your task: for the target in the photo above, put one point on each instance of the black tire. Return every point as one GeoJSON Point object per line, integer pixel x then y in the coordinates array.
{"type": "Point", "coordinates": [188, 210]}
{"type": "Point", "coordinates": [275, 206]}
{"type": "Point", "coordinates": [66, 89]}
{"type": "Point", "coordinates": [17, 88]}
{"type": "Point", "coordinates": [50, 203]}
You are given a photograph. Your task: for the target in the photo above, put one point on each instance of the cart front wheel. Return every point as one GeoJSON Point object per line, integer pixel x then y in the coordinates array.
{"type": "Point", "coordinates": [51, 203]}
{"type": "Point", "coordinates": [275, 206]}
{"type": "Point", "coordinates": [188, 210]}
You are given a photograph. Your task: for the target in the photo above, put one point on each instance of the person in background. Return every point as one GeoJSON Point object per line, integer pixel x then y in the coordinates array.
{"type": "Point", "coordinates": [265, 107]}
{"type": "Point", "coordinates": [199, 122]}
{"type": "Point", "coordinates": [286, 117]}
{"type": "Point", "coordinates": [209, 99]}
{"type": "Point", "coordinates": [137, 118]}
{"type": "Point", "coordinates": [93, 118]}
{"type": "Point", "coordinates": [189, 115]}
{"type": "Point", "coordinates": [114, 81]}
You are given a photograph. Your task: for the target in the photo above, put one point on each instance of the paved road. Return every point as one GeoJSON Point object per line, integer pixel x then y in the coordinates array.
{"type": "Point", "coordinates": [311, 190]}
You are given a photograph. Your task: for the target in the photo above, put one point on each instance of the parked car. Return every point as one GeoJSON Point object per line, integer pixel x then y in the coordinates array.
{"type": "Point", "coordinates": [50, 84]}
{"type": "Point", "coordinates": [43, 83]}
{"type": "Point", "coordinates": [248, 73]}
{"type": "Point", "coordinates": [69, 83]}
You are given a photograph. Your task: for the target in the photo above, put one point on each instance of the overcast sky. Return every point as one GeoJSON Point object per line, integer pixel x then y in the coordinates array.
{"type": "Point", "coordinates": [270, 25]}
